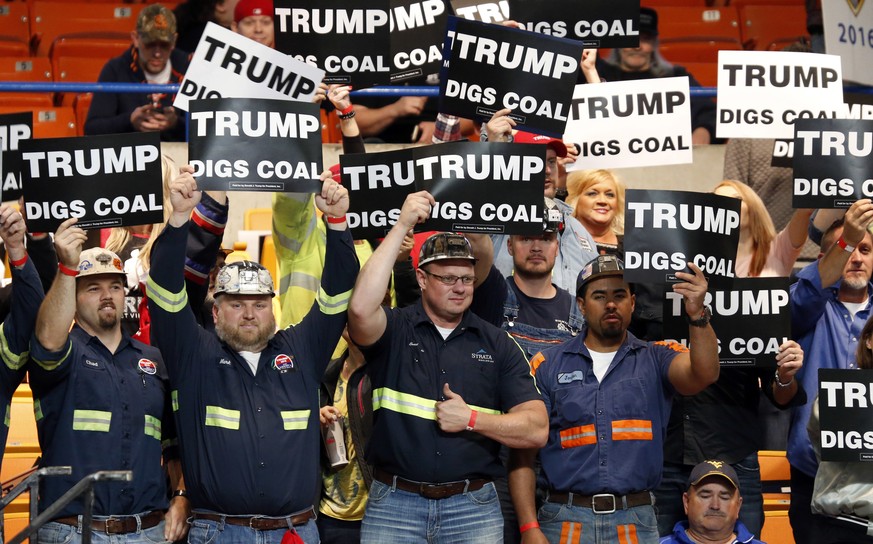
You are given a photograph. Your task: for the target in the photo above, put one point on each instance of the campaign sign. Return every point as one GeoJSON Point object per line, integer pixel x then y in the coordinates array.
{"type": "Point", "coordinates": [664, 230]}
{"type": "Point", "coordinates": [14, 129]}
{"type": "Point", "coordinates": [848, 32]}
{"type": "Point", "coordinates": [418, 29]}
{"type": "Point", "coordinates": [855, 106]}
{"type": "Point", "coordinates": [349, 42]}
{"type": "Point", "coordinates": [226, 64]}
{"type": "Point", "coordinates": [846, 428]}
{"type": "Point", "coordinates": [762, 93]}
{"type": "Point", "coordinates": [596, 23]}
{"type": "Point", "coordinates": [487, 68]}
{"type": "Point", "coordinates": [255, 144]}
{"type": "Point", "coordinates": [631, 123]}
{"type": "Point", "coordinates": [106, 181]}
{"type": "Point", "coordinates": [478, 10]}
{"type": "Point", "coordinates": [832, 162]}
{"type": "Point", "coordinates": [751, 319]}
{"type": "Point", "coordinates": [493, 188]}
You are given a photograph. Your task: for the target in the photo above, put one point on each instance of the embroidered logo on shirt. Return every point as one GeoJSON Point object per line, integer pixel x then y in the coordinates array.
{"type": "Point", "coordinates": [93, 364]}
{"type": "Point", "coordinates": [224, 362]}
{"type": "Point", "coordinates": [148, 367]}
{"type": "Point", "coordinates": [569, 377]}
{"type": "Point", "coordinates": [482, 356]}
{"type": "Point", "coordinates": [283, 363]}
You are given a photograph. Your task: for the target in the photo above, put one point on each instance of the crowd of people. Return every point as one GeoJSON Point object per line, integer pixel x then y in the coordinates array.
{"type": "Point", "coordinates": [485, 388]}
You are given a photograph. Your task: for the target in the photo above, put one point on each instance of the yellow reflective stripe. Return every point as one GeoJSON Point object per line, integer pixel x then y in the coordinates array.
{"type": "Point", "coordinates": [37, 409]}
{"type": "Point", "coordinates": [222, 417]}
{"type": "Point", "coordinates": [332, 305]}
{"type": "Point", "coordinates": [413, 405]}
{"type": "Point", "coordinates": [174, 398]}
{"type": "Point", "coordinates": [166, 300]}
{"type": "Point", "coordinates": [51, 365]}
{"type": "Point", "coordinates": [13, 360]}
{"type": "Point", "coordinates": [295, 420]}
{"type": "Point", "coordinates": [91, 420]}
{"type": "Point", "coordinates": [152, 427]}
{"type": "Point", "coordinates": [8, 417]}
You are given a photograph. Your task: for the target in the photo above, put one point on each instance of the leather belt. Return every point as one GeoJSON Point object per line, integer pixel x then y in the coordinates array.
{"type": "Point", "coordinates": [603, 503]}
{"type": "Point", "coordinates": [430, 490]}
{"type": "Point", "coordinates": [258, 523]}
{"type": "Point", "coordinates": [118, 525]}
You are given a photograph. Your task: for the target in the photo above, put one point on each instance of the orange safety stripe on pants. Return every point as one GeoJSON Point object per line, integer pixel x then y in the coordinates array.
{"type": "Point", "coordinates": [632, 429]}
{"type": "Point", "coordinates": [574, 437]}
{"type": "Point", "coordinates": [627, 534]}
{"type": "Point", "coordinates": [571, 532]}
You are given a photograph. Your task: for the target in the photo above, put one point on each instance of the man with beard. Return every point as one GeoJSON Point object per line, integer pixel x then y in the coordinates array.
{"type": "Point", "coordinates": [152, 58]}
{"type": "Point", "coordinates": [102, 402]}
{"type": "Point", "coordinates": [829, 305]}
{"type": "Point", "coordinates": [608, 395]}
{"type": "Point", "coordinates": [712, 505]}
{"type": "Point", "coordinates": [247, 404]}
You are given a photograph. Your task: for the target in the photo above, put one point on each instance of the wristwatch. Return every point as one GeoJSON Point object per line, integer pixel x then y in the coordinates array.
{"type": "Point", "coordinates": [180, 493]}
{"type": "Point", "coordinates": [701, 321]}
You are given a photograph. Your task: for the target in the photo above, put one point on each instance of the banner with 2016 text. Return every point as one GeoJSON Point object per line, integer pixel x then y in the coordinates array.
{"type": "Point", "coordinates": [226, 64]}
{"type": "Point", "coordinates": [255, 144]}
{"type": "Point", "coordinates": [596, 23]}
{"type": "Point", "coordinates": [631, 123]}
{"type": "Point", "coordinates": [14, 129]}
{"type": "Point", "coordinates": [664, 230]}
{"type": "Point", "coordinates": [848, 32]}
{"type": "Point", "coordinates": [493, 188]}
{"type": "Point", "coordinates": [487, 68]}
{"type": "Point", "coordinates": [845, 397]}
{"type": "Point", "coordinates": [105, 181]}
{"type": "Point", "coordinates": [386, 42]}
{"type": "Point", "coordinates": [762, 93]}
{"type": "Point", "coordinates": [751, 319]}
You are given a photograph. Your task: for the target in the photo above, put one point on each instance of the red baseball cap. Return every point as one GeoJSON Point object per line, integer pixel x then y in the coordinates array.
{"type": "Point", "coordinates": [523, 137]}
{"type": "Point", "coordinates": [248, 8]}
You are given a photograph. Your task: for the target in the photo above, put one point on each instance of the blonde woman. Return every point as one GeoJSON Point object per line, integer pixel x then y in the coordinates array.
{"type": "Point", "coordinates": [597, 197]}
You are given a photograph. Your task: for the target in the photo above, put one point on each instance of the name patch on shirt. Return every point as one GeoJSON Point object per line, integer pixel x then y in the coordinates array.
{"type": "Point", "coordinates": [283, 363]}
{"type": "Point", "coordinates": [148, 367]}
{"type": "Point", "coordinates": [482, 356]}
{"type": "Point", "coordinates": [569, 377]}
{"type": "Point", "coordinates": [93, 364]}
{"type": "Point", "coordinates": [225, 362]}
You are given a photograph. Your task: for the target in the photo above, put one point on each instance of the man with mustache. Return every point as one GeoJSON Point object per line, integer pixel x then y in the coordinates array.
{"type": "Point", "coordinates": [608, 395]}
{"type": "Point", "coordinates": [829, 305]}
{"type": "Point", "coordinates": [712, 504]}
{"type": "Point", "coordinates": [102, 402]}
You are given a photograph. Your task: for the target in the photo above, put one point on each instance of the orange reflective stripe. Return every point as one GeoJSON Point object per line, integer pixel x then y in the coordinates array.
{"type": "Point", "coordinates": [578, 436]}
{"type": "Point", "coordinates": [571, 532]}
{"type": "Point", "coordinates": [536, 361]}
{"type": "Point", "coordinates": [627, 534]}
{"type": "Point", "coordinates": [632, 429]}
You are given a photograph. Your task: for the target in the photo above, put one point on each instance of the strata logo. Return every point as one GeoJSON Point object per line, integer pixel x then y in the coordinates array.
{"type": "Point", "coordinates": [482, 356]}
{"type": "Point", "coordinates": [225, 362]}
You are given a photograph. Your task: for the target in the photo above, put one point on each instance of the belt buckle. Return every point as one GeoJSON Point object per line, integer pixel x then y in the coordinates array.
{"type": "Point", "coordinates": [252, 521]}
{"type": "Point", "coordinates": [594, 503]}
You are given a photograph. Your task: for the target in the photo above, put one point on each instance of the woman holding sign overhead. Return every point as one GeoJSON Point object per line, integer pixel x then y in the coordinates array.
{"type": "Point", "coordinates": [842, 498]}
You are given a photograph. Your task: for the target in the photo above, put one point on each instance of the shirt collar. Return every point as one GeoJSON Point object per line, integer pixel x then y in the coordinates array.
{"type": "Point", "coordinates": [87, 338]}
{"type": "Point", "coordinates": [420, 317]}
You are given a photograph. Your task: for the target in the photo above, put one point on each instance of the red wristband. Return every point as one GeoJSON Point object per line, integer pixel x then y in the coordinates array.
{"type": "Point", "coordinates": [19, 262]}
{"type": "Point", "coordinates": [348, 110]}
{"type": "Point", "coordinates": [67, 271]}
{"type": "Point", "coordinates": [472, 423]}
{"type": "Point", "coordinates": [846, 247]}
{"type": "Point", "coordinates": [336, 220]}
{"type": "Point", "coordinates": [528, 526]}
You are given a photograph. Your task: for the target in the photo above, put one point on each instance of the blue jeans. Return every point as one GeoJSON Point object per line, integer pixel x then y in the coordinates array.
{"type": "Point", "coordinates": [59, 533]}
{"type": "Point", "coordinates": [205, 531]}
{"type": "Point", "coordinates": [674, 482]}
{"type": "Point", "coordinates": [394, 516]}
{"type": "Point", "coordinates": [565, 523]}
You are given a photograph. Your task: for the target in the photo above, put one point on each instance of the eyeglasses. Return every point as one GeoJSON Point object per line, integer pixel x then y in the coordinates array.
{"type": "Point", "coordinates": [451, 280]}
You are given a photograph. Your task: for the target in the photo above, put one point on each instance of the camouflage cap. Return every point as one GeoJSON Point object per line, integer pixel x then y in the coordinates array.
{"type": "Point", "coordinates": [156, 24]}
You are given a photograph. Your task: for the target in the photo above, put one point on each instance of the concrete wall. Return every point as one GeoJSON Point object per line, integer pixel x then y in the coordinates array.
{"type": "Point", "coordinates": [704, 173]}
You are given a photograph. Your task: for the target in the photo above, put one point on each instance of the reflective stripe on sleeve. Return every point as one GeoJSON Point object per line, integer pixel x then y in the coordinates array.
{"type": "Point", "coordinates": [152, 427]}
{"type": "Point", "coordinates": [91, 420]}
{"type": "Point", "coordinates": [332, 305]}
{"type": "Point", "coordinates": [584, 435]}
{"type": "Point", "coordinates": [174, 399]}
{"type": "Point", "coordinates": [12, 360]}
{"type": "Point", "coordinates": [632, 429]}
{"type": "Point", "coordinates": [222, 417]}
{"type": "Point", "coordinates": [295, 420]}
{"type": "Point", "coordinates": [412, 405]}
{"type": "Point", "coordinates": [37, 409]}
{"type": "Point", "coordinates": [167, 301]}
{"type": "Point", "coordinates": [51, 365]}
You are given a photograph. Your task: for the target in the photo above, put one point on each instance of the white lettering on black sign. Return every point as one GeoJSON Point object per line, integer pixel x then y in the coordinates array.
{"type": "Point", "coordinates": [844, 402]}
{"type": "Point", "coordinates": [90, 162]}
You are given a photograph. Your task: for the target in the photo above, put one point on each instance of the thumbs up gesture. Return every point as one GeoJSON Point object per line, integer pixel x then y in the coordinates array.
{"type": "Point", "coordinates": [452, 414]}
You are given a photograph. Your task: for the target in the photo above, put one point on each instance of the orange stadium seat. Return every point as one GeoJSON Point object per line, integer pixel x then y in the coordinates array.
{"type": "Point", "coordinates": [15, 21]}
{"type": "Point", "coordinates": [81, 104]}
{"type": "Point", "coordinates": [777, 528]}
{"type": "Point", "coordinates": [658, 4]}
{"type": "Point", "coordinates": [741, 3]}
{"type": "Point", "coordinates": [685, 50]}
{"type": "Point", "coordinates": [26, 69]}
{"type": "Point", "coordinates": [763, 26]}
{"type": "Point", "coordinates": [13, 47]}
{"type": "Point", "coordinates": [57, 122]}
{"type": "Point", "coordinates": [700, 22]}
{"type": "Point", "coordinates": [51, 19]}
